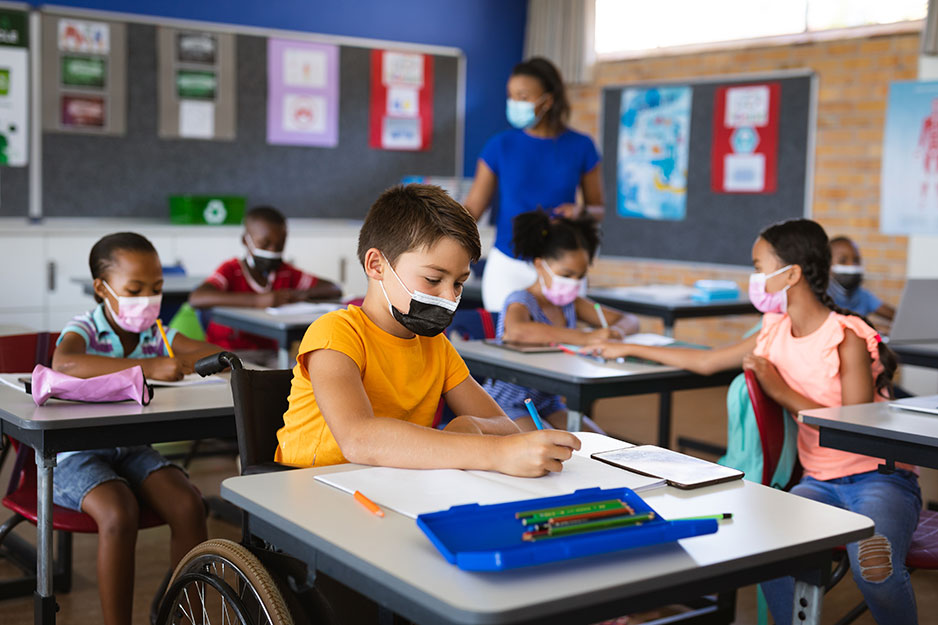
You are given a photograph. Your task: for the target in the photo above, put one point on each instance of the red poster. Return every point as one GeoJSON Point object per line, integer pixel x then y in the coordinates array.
{"type": "Point", "coordinates": [401, 101]}
{"type": "Point", "coordinates": [745, 139]}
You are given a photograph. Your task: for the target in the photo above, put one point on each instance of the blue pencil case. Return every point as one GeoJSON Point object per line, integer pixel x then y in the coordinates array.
{"type": "Point", "coordinates": [488, 538]}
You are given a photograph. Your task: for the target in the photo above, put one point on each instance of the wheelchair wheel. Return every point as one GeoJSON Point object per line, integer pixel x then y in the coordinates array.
{"type": "Point", "coordinates": [221, 581]}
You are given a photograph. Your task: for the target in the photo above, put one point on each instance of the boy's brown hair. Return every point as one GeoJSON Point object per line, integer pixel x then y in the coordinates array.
{"type": "Point", "coordinates": [413, 217]}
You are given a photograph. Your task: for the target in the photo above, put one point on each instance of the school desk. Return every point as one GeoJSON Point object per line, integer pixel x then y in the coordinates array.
{"type": "Point", "coordinates": [174, 414]}
{"type": "Point", "coordinates": [176, 288]}
{"type": "Point", "coordinates": [880, 431]}
{"type": "Point", "coordinates": [918, 354]}
{"type": "Point", "coordinates": [582, 381]}
{"type": "Point", "coordinates": [391, 561]}
{"type": "Point", "coordinates": [284, 329]}
{"type": "Point", "coordinates": [668, 310]}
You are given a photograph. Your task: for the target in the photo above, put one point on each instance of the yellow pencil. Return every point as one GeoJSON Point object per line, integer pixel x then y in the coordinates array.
{"type": "Point", "coordinates": [169, 348]}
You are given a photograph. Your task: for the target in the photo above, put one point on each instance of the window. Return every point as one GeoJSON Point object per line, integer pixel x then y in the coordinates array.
{"type": "Point", "coordinates": [636, 26]}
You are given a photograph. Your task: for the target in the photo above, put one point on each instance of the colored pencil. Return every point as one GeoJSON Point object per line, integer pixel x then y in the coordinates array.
{"type": "Point", "coordinates": [532, 410]}
{"type": "Point", "coordinates": [581, 508]}
{"type": "Point", "coordinates": [602, 316]}
{"type": "Point", "coordinates": [169, 348]}
{"type": "Point", "coordinates": [593, 526]}
{"type": "Point", "coordinates": [369, 504]}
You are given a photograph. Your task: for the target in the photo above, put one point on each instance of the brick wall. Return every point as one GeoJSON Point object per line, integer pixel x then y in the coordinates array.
{"type": "Point", "coordinates": [853, 82]}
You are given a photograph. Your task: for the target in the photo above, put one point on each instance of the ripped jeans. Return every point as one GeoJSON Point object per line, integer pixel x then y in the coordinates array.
{"type": "Point", "coordinates": [893, 502]}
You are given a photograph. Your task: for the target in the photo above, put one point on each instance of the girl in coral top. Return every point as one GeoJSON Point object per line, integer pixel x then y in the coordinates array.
{"type": "Point", "coordinates": [811, 354]}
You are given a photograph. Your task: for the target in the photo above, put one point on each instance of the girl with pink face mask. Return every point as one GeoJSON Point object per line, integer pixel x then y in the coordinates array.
{"type": "Point", "coordinates": [811, 354]}
{"type": "Point", "coordinates": [107, 484]}
{"type": "Point", "coordinates": [549, 310]}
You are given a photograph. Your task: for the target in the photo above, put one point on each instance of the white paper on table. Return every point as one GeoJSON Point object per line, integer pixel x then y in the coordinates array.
{"type": "Point", "coordinates": [193, 379]}
{"type": "Point", "coordinates": [304, 308]}
{"type": "Point", "coordinates": [647, 338]}
{"type": "Point", "coordinates": [196, 119]}
{"type": "Point", "coordinates": [413, 492]}
{"type": "Point", "coordinates": [12, 380]}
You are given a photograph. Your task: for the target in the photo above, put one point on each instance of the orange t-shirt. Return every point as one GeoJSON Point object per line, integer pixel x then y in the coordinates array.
{"type": "Point", "coordinates": [811, 366]}
{"type": "Point", "coordinates": [403, 378]}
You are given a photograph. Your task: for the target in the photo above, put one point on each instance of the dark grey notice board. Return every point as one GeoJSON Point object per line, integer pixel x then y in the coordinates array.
{"type": "Point", "coordinates": [133, 175]}
{"type": "Point", "coordinates": [718, 227]}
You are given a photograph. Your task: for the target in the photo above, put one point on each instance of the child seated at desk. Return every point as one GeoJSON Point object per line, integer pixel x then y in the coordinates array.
{"type": "Point", "coordinates": [369, 379]}
{"type": "Point", "coordinates": [811, 354]}
{"type": "Point", "coordinates": [259, 280]}
{"type": "Point", "coordinates": [846, 286]}
{"type": "Point", "coordinates": [107, 483]}
{"type": "Point", "coordinates": [548, 310]}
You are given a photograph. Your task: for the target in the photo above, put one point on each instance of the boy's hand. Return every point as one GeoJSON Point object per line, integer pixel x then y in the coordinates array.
{"type": "Point", "coordinates": [602, 335]}
{"type": "Point", "coordinates": [533, 454]}
{"type": "Point", "coordinates": [164, 368]}
{"type": "Point", "coordinates": [277, 298]}
{"type": "Point", "coordinates": [609, 350]}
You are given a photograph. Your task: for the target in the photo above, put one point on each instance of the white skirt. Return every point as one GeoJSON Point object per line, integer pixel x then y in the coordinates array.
{"type": "Point", "coordinates": [503, 276]}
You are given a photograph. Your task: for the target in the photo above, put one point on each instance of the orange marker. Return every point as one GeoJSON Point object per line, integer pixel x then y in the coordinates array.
{"type": "Point", "coordinates": [372, 506]}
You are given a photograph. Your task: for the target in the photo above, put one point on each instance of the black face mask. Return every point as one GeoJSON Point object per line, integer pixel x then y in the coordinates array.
{"type": "Point", "coordinates": [265, 266]}
{"type": "Point", "coordinates": [850, 281]}
{"type": "Point", "coordinates": [429, 315]}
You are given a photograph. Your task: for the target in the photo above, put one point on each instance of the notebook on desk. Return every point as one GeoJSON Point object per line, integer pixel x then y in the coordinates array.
{"type": "Point", "coordinates": [413, 492]}
{"type": "Point", "coordinates": [679, 470]}
{"type": "Point", "coordinates": [524, 348]}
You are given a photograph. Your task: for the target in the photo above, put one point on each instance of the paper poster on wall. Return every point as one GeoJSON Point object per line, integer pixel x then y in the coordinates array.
{"type": "Point", "coordinates": [196, 119]}
{"type": "Point", "coordinates": [401, 100]}
{"type": "Point", "coordinates": [196, 48]}
{"type": "Point", "coordinates": [654, 132]}
{"type": "Point", "coordinates": [83, 111]}
{"type": "Point", "coordinates": [744, 156]}
{"type": "Point", "coordinates": [909, 194]}
{"type": "Point", "coordinates": [196, 84]}
{"type": "Point", "coordinates": [84, 36]}
{"type": "Point", "coordinates": [14, 99]}
{"type": "Point", "coordinates": [302, 93]}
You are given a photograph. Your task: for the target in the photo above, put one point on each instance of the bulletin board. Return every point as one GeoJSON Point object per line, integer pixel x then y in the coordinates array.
{"type": "Point", "coordinates": [717, 227]}
{"type": "Point", "coordinates": [134, 173]}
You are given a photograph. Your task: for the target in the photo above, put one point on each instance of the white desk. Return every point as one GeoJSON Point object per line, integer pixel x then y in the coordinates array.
{"type": "Point", "coordinates": [284, 329]}
{"type": "Point", "coordinates": [582, 381]}
{"type": "Point", "coordinates": [390, 560]}
{"type": "Point", "coordinates": [179, 413]}
{"type": "Point", "coordinates": [879, 431]}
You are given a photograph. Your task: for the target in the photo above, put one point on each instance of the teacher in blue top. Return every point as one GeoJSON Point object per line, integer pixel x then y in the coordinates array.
{"type": "Point", "coordinates": [540, 163]}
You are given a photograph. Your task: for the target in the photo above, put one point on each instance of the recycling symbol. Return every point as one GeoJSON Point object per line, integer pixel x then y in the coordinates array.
{"type": "Point", "coordinates": [744, 140]}
{"type": "Point", "coordinates": [215, 212]}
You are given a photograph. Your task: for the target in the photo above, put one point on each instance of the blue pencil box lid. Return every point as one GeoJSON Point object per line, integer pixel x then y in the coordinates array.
{"type": "Point", "coordinates": [714, 290]}
{"type": "Point", "coordinates": [488, 538]}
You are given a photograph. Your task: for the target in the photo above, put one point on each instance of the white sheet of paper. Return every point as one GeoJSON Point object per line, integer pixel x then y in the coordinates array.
{"type": "Point", "coordinates": [413, 492]}
{"type": "Point", "coordinates": [647, 338]}
{"type": "Point", "coordinates": [304, 68]}
{"type": "Point", "coordinates": [744, 172]}
{"type": "Point", "coordinates": [747, 106]}
{"type": "Point", "coordinates": [193, 379]}
{"type": "Point", "coordinates": [304, 113]}
{"type": "Point", "coordinates": [403, 101]}
{"type": "Point", "coordinates": [12, 380]}
{"type": "Point", "coordinates": [196, 119]}
{"type": "Point", "coordinates": [401, 134]}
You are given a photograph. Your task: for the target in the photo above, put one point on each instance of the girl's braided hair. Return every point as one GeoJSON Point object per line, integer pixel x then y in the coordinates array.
{"type": "Point", "coordinates": [804, 243]}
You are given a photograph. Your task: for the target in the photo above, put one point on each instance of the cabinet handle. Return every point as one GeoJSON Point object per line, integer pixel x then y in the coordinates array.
{"type": "Point", "coordinates": [343, 263]}
{"type": "Point", "coordinates": [50, 274]}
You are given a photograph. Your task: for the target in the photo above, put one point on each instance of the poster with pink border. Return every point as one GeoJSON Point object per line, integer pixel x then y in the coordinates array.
{"type": "Point", "coordinates": [302, 93]}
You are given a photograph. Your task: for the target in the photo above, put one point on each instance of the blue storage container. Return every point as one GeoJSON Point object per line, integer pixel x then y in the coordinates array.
{"type": "Point", "coordinates": [488, 538]}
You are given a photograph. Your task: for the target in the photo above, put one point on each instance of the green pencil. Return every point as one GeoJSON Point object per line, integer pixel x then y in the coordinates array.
{"type": "Point", "coordinates": [592, 506]}
{"type": "Point", "coordinates": [592, 526]}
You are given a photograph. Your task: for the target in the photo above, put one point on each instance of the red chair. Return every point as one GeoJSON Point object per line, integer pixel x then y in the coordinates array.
{"type": "Point", "coordinates": [19, 353]}
{"type": "Point", "coordinates": [923, 552]}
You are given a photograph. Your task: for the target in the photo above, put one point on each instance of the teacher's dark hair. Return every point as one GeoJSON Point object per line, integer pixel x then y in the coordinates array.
{"type": "Point", "coordinates": [804, 243]}
{"type": "Point", "coordinates": [549, 76]}
{"type": "Point", "coordinates": [536, 235]}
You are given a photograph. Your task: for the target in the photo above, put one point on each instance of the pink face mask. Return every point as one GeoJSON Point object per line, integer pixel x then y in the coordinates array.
{"type": "Point", "coordinates": [562, 290]}
{"type": "Point", "coordinates": [134, 314]}
{"type": "Point", "coordinates": [768, 302]}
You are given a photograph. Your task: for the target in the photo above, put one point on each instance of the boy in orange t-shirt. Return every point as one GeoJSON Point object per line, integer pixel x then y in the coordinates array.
{"type": "Point", "coordinates": [368, 379]}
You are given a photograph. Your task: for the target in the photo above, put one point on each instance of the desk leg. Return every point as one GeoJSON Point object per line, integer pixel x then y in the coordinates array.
{"type": "Point", "coordinates": [664, 420]}
{"type": "Point", "coordinates": [808, 600]}
{"type": "Point", "coordinates": [44, 608]}
{"type": "Point", "coordinates": [283, 356]}
{"type": "Point", "coordinates": [574, 420]}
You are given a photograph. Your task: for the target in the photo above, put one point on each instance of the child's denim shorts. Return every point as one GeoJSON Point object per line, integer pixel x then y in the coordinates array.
{"type": "Point", "coordinates": [79, 473]}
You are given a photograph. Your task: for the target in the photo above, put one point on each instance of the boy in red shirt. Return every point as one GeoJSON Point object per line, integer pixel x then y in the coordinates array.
{"type": "Point", "coordinates": [258, 280]}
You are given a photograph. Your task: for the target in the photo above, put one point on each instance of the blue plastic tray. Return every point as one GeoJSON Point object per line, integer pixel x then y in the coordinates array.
{"type": "Point", "coordinates": [488, 538]}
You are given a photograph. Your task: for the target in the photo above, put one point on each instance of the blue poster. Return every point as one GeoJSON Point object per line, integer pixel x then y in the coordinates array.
{"type": "Point", "coordinates": [909, 203]}
{"type": "Point", "coordinates": [654, 132]}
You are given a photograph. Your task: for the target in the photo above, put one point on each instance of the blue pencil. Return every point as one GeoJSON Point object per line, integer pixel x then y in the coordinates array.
{"type": "Point", "coordinates": [533, 412]}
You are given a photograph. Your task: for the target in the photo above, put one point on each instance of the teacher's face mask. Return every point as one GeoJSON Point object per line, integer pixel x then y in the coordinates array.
{"type": "Point", "coordinates": [521, 113]}
{"type": "Point", "coordinates": [428, 314]}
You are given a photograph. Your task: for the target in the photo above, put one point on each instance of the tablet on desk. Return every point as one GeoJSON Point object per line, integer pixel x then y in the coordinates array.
{"type": "Point", "coordinates": [525, 348]}
{"type": "Point", "coordinates": [917, 404]}
{"type": "Point", "coordinates": [677, 469]}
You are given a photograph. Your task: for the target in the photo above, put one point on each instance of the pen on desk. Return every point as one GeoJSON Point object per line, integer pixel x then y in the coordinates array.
{"type": "Point", "coordinates": [718, 517]}
{"type": "Point", "coordinates": [369, 504]}
{"type": "Point", "coordinates": [169, 348]}
{"type": "Point", "coordinates": [567, 350]}
{"type": "Point", "coordinates": [533, 412]}
{"type": "Point", "coordinates": [602, 317]}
